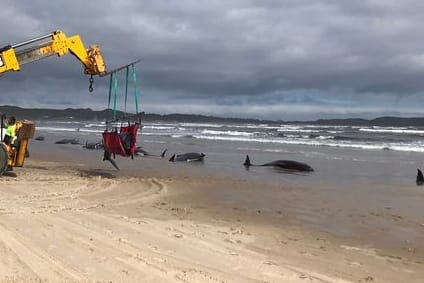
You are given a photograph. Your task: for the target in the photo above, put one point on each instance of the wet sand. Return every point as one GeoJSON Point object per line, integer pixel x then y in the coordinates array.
{"type": "Point", "coordinates": [162, 222]}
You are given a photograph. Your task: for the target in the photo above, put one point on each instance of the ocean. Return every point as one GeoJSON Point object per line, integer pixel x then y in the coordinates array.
{"type": "Point", "coordinates": [383, 153]}
{"type": "Point", "coordinates": [407, 139]}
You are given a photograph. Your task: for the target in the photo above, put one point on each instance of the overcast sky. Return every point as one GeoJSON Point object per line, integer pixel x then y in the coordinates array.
{"type": "Point", "coordinates": [275, 59]}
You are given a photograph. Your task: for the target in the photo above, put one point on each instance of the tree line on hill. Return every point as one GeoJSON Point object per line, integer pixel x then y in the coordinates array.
{"type": "Point", "coordinates": [87, 114]}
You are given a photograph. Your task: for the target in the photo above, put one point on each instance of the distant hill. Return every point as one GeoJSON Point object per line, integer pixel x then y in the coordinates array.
{"type": "Point", "coordinates": [87, 114]}
{"type": "Point", "coordinates": [380, 121]}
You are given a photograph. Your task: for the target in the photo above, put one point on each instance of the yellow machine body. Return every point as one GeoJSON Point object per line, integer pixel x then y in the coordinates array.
{"type": "Point", "coordinates": [17, 152]}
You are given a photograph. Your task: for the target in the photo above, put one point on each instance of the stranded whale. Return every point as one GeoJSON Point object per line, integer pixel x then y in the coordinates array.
{"type": "Point", "coordinates": [285, 164]}
{"type": "Point", "coordinates": [420, 177]}
{"type": "Point", "coordinates": [188, 157]}
{"type": "Point", "coordinates": [93, 145]}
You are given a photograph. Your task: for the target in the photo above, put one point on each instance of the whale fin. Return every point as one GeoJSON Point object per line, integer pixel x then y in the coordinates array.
{"type": "Point", "coordinates": [106, 156]}
{"type": "Point", "coordinates": [247, 161]}
{"type": "Point", "coordinates": [172, 159]}
{"type": "Point", "coordinates": [420, 177]}
{"type": "Point", "coordinates": [163, 153]}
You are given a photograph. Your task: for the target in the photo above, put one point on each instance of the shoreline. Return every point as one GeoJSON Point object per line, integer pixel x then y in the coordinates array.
{"type": "Point", "coordinates": [75, 222]}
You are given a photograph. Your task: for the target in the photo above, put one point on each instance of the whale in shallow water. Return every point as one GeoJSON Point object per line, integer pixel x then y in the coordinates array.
{"type": "Point", "coordinates": [188, 157]}
{"type": "Point", "coordinates": [420, 177]}
{"type": "Point", "coordinates": [39, 138]}
{"type": "Point", "coordinates": [93, 145]}
{"type": "Point", "coordinates": [284, 164]}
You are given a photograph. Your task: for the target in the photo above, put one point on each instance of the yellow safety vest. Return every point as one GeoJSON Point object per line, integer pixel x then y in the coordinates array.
{"type": "Point", "coordinates": [11, 130]}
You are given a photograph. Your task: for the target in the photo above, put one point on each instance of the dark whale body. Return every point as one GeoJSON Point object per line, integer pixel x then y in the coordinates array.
{"type": "Point", "coordinates": [284, 164]}
{"type": "Point", "coordinates": [420, 177]}
{"type": "Point", "coordinates": [39, 138]}
{"type": "Point", "coordinates": [188, 157]}
{"type": "Point", "coordinates": [93, 145]}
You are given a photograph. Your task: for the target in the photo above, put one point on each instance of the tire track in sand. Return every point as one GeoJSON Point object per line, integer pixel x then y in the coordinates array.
{"type": "Point", "coordinates": [127, 192]}
{"type": "Point", "coordinates": [106, 251]}
{"type": "Point", "coordinates": [38, 261]}
{"type": "Point", "coordinates": [183, 259]}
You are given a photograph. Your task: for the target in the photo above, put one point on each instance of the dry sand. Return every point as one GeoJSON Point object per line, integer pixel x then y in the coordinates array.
{"type": "Point", "coordinates": [69, 223]}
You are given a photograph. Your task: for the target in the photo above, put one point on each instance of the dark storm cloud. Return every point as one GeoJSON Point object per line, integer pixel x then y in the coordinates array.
{"type": "Point", "coordinates": [278, 59]}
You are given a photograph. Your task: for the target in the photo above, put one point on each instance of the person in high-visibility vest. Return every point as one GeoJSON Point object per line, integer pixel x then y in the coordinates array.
{"type": "Point", "coordinates": [10, 135]}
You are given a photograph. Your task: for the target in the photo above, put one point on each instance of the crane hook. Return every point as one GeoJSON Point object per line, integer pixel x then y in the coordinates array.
{"type": "Point", "coordinates": [90, 87]}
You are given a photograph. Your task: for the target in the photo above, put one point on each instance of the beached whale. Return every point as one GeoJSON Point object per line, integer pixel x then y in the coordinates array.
{"type": "Point", "coordinates": [284, 164]}
{"type": "Point", "coordinates": [188, 157]}
{"type": "Point", "coordinates": [93, 145]}
{"type": "Point", "coordinates": [420, 177]}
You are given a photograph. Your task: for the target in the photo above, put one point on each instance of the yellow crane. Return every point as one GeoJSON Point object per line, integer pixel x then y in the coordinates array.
{"type": "Point", "coordinates": [12, 57]}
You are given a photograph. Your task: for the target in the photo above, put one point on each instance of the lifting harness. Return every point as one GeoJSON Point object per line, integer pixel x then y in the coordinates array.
{"type": "Point", "coordinates": [123, 141]}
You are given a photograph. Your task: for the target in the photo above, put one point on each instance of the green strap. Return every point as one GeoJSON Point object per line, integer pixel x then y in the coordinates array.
{"type": "Point", "coordinates": [126, 89]}
{"type": "Point", "coordinates": [116, 94]}
{"type": "Point", "coordinates": [110, 90]}
{"type": "Point", "coordinates": [135, 88]}
{"type": "Point", "coordinates": [113, 83]}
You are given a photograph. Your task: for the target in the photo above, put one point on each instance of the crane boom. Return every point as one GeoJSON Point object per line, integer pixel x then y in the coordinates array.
{"type": "Point", "coordinates": [12, 57]}
{"type": "Point", "coordinates": [55, 43]}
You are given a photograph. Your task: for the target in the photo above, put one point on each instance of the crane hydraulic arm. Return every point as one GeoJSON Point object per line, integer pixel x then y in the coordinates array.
{"type": "Point", "coordinates": [55, 43]}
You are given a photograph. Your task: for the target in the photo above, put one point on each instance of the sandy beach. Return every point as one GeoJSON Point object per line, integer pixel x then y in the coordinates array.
{"type": "Point", "coordinates": [255, 141]}
{"type": "Point", "coordinates": [75, 222]}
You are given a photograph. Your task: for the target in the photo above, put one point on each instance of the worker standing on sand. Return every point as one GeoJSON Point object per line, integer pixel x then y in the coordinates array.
{"type": "Point", "coordinates": [10, 138]}
{"type": "Point", "coordinates": [10, 135]}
